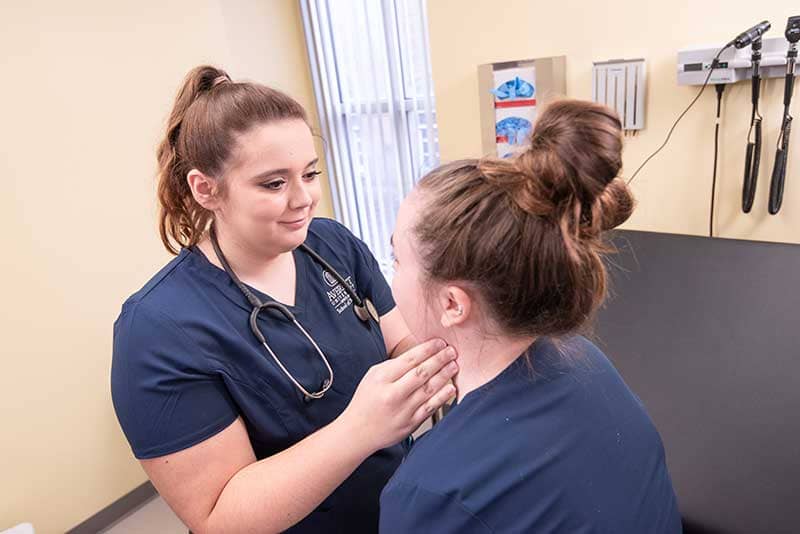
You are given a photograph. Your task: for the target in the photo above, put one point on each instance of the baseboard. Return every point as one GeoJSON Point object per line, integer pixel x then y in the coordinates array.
{"type": "Point", "coordinates": [116, 510]}
{"type": "Point", "coordinates": [693, 527]}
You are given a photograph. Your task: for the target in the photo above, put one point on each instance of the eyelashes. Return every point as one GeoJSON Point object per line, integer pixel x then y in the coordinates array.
{"type": "Point", "coordinates": [276, 185]}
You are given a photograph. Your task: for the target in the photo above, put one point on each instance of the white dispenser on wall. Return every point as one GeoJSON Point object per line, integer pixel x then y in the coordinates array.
{"type": "Point", "coordinates": [620, 85]}
{"type": "Point", "coordinates": [510, 93]}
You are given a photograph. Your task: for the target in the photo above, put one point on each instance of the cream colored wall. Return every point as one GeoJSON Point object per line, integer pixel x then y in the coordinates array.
{"type": "Point", "coordinates": [674, 190]}
{"type": "Point", "coordinates": [84, 90]}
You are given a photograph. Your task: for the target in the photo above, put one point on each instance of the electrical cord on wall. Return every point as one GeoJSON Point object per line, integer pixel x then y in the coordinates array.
{"type": "Point", "coordinates": [714, 66]}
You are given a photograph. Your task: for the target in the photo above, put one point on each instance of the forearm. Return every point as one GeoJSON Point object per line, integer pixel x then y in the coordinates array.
{"type": "Point", "coordinates": [275, 493]}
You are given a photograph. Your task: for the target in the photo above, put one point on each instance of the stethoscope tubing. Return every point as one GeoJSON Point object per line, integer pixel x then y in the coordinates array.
{"type": "Point", "coordinates": [363, 308]}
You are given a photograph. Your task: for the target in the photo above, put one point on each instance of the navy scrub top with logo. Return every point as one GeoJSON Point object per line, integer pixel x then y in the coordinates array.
{"type": "Point", "coordinates": [186, 365]}
{"type": "Point", "coordinates": [560, 446]}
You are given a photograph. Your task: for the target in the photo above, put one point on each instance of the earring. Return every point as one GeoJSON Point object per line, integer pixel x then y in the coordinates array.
{"type": "Point", "coordinates": [460, 311]}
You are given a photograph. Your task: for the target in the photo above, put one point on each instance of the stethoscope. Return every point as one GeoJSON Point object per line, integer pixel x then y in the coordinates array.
{"type": "Point", "coordinates": [363, 308]}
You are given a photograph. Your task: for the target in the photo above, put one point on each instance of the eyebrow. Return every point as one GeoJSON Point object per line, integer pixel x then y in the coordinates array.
{"type": "Point", "coordinates": [270, 172]}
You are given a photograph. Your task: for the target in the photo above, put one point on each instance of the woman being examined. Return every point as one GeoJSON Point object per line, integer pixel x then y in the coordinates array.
{"type": "Point", "coordinates": [503, 258]}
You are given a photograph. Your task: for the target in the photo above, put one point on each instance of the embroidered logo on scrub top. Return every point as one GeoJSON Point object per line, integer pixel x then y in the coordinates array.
{"type": "Point", "coordinates": [329, 279]}
{"type": "Point", "coordinates": [338, 296]}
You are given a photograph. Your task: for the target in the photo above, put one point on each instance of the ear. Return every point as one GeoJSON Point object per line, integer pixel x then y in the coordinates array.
{"type": "Point", "coordinates": [204, 189]}
{"type": "Point", "coordinates": [455, 304]}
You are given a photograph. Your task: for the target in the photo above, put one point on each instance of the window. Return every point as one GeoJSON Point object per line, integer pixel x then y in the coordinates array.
{"type": "Point", "coordinates": [372, 80]}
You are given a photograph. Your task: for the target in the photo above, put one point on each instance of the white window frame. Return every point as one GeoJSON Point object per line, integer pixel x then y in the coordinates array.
{"type": "Point", "coordinates": [405, 123]}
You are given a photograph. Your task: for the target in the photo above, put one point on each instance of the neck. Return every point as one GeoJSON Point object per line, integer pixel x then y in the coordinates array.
{"type": "Point", "coordinates": [246, 261]}
{"type": "Point", "coordinates": [482, 358]}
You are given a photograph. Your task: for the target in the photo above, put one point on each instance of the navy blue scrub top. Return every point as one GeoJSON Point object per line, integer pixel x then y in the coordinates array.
{"type": "Point", "coordinates": [560, 446]}
{"type": "Point", "coordinates": [186, 364]}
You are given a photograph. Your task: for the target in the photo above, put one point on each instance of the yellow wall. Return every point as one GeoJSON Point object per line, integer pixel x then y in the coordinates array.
{"type": "Point", "coordinates": [85, 88]}
{"type": "Point", "coordinates": [674, 190]}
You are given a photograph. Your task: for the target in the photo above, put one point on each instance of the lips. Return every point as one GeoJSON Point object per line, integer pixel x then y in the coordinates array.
{"type": "Point", "coordinates": [295, 224]}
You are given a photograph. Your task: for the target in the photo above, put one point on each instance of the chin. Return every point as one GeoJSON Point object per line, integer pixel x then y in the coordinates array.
{"type": "Point", "coordinates": [296, 238]}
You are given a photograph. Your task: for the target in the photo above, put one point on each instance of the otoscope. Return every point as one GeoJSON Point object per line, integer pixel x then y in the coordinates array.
{"type": "Point", "coordinates": [752, 158]}
{"type": "Point", "coordinates": [782, 153]}
{"type": "Point", "coordinates": [748, 36]}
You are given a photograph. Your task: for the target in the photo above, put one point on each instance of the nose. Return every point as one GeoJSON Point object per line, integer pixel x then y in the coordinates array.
{"type": "Point", "coordinates": [300, 195]}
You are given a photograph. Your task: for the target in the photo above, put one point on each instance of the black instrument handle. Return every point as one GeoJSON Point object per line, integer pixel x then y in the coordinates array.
{"type": "Point", "coordinates": [748, 187]}
{"type": "Point", "coordinates": [757, 155]}
{"type": "Point", "coordinates": [756, 92]}
{"type": "Point", "coordinates": [776, 186]}
{"type": "Point", "coordinates": [752, 162]}
{"type": "Point", "coordinates": [788, 89]}
{"type": "Point", "coordinates": [779, 171]}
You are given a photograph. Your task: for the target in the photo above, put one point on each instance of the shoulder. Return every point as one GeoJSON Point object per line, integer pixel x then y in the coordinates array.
{"type": "Point", "coordinates": [324, 227]}
{"type": "Point", "coordinates": [157, 314]}
{"type": "Point", "coordinates": [150, 344]}
{"type": "Point", "coordinates": [330, 233]}
{"type": "Point", "coordinates": [187, 288]}
{"type": "Point", "coordinates": [157, 292]}
{"type": "Point", "coordinates": [331, 238]}
{"type": "Point", "coordinates": [567, 356]}
{"type": "Point", "coordinates": [582, 345]}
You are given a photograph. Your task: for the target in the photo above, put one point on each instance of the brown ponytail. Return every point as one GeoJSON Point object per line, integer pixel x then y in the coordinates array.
{"type": "Point", "coordinates": [209, 111]}
{"type": "Point", "coordinates": [527, 232]}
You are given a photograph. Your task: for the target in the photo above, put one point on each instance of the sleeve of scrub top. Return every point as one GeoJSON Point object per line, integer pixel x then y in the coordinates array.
{"type": "Point", "coordinates": [164, 397]}
{"type": "Point", "coordinates": [377, 289]}
{"type": "Point", "coordinates": [409, 508]}
{"type": "Point", "coordinates": [370, 281]}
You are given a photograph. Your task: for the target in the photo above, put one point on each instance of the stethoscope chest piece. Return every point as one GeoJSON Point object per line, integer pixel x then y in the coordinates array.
{"type": "Point", "coordinates": [367, 311]}
{"type": "Point", "coordinates": [326, 384]}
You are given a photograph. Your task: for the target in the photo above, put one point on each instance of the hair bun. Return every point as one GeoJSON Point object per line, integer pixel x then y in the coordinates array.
{"type": "Point", "coordinates": [575, 154]}
{"type": "Point", "coordinates": [613, 206]}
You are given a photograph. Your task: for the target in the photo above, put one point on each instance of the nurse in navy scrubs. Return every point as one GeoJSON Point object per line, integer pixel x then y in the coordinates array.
{"type": "Point", "coordinates": [299, 433]}
{"type": "Point", "coordinates": [503, 259]}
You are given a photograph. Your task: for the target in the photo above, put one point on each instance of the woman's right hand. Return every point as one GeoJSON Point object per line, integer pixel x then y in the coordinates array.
{"type": "Point", "coordinates": [396, 396]}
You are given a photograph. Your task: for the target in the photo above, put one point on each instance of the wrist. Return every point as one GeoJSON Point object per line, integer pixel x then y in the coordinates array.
{"type": "Point", "coordinates": [347, 429]}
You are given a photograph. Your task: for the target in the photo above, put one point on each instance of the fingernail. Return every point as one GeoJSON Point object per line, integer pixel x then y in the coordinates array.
{"type": "Point", "coordinates": [451, 352]}
{"type": "Point", "coordinates": [440, 344]}
{"type": "Point", "coordinates": [452, 367]}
